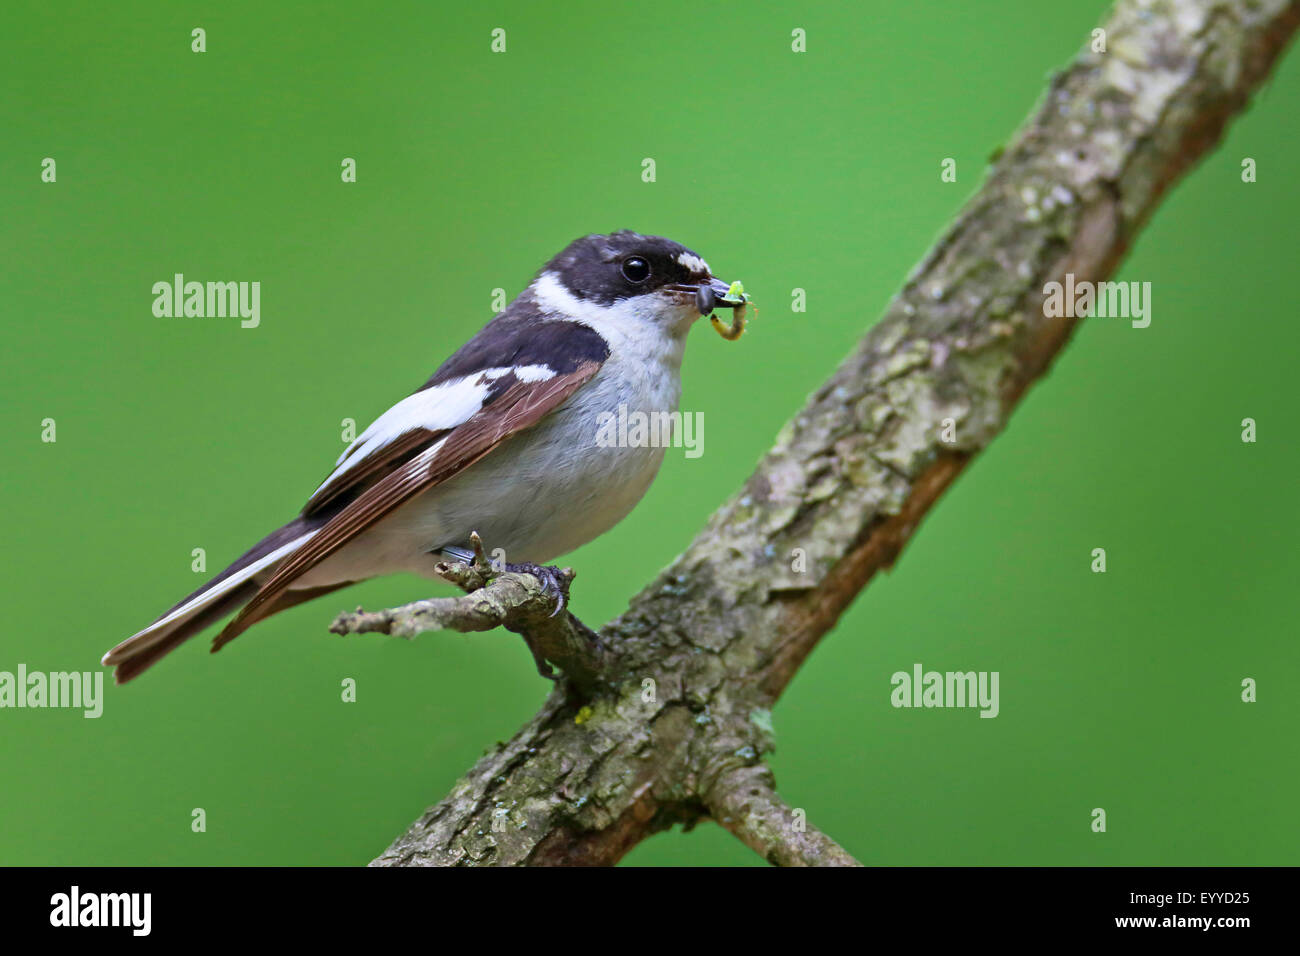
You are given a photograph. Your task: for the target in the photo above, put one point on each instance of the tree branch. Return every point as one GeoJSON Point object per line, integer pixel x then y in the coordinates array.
{"type": "Point", "coordinates": [745, 802]}
{"type": "Point", "coordinates": [679, 719]}
{"type": "Point", "coordinates": [517, 601]}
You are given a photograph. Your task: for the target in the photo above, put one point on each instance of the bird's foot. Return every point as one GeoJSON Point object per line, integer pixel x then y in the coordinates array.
{"type": "Point", "coordinates": [478, 570]}
{"type": "Point", "coordinates": [473, 570]}
{"type": "Point", "coordinates": [555, 581]}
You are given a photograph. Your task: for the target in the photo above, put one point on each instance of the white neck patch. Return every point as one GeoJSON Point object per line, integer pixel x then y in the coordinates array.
{"type": "Point", "coordinates": [640, 320]}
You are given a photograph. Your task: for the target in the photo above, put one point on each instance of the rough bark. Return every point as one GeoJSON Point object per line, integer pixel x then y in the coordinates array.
{"type": "Point", "coordinates": [673, 723]}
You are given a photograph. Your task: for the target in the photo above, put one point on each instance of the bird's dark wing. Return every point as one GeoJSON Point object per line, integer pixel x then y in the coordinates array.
{"type": "Point", "coordinates": [513, 403]}
{"type": "Point", "coordinates": [464, 385]}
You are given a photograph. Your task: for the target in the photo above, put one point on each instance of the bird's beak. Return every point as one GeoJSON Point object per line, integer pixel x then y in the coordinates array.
{"type": "Point", "coordinates": [709, 295]}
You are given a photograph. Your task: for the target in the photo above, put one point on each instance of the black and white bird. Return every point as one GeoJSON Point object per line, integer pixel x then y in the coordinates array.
{"type": "Point", "coordinates": [502, 440]}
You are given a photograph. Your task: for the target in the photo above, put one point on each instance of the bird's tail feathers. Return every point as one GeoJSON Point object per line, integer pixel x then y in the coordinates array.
{"type": "Point", "coordinates": [227, 592]}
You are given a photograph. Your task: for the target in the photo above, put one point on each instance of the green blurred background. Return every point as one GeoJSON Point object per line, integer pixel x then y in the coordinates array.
{"type": "Point", "coordinates": [817, 170]}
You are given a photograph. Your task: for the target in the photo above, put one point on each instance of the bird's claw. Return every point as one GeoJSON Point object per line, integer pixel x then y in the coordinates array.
{"type": "Point", "coordinates": [555, 583]}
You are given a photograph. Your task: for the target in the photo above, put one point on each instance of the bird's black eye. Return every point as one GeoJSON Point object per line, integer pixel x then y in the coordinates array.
{"type": "Point", "coordinates": [636, 269]}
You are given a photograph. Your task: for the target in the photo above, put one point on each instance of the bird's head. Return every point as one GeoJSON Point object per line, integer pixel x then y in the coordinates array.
{"type": "Point", "coordinates": [625, 278]}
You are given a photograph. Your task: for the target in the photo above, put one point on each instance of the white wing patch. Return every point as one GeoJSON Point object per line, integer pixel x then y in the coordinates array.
{"type": "Point", "coordinates": [437, 408]}
{"type": "Point", "coordinates": [531, 373]}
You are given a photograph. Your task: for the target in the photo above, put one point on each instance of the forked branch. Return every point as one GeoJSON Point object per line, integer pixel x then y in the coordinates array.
{"type": "Point", "coordinates": [672, 717]}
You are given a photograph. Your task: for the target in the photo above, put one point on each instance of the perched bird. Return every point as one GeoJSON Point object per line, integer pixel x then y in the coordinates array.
{"type": "Point", "coordinates": [502, 440]}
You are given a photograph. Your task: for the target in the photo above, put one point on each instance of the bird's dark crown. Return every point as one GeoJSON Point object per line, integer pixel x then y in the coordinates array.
{"type": "Point", "coordinates": [597, 268]}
